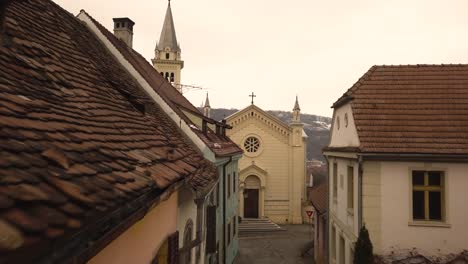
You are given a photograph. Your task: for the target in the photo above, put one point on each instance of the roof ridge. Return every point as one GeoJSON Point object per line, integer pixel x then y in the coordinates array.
{"type": "Point", "coordinates": [421, 65]}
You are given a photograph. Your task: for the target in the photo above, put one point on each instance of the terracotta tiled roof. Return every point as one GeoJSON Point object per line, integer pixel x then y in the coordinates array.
{"type": "Point", "coordinates": [420, 109]}
{"type": "Point", "coordinates": [81, 145]}
{"type": "Point", "coordinates": [318, 195]}
{"type": "Point", "coordinates": [170, 95]}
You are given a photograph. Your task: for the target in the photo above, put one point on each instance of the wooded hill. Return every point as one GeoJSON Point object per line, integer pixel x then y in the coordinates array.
{"type": "Point", "coordinates": [316, 127]}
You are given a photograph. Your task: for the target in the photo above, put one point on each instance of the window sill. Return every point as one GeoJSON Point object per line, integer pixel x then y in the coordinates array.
{"type": "Point", "coordinates": [429, 224]}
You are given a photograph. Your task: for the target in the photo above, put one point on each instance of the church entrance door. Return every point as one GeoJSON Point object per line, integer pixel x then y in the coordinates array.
{"type": "Point", "coordinates": [250, 203]}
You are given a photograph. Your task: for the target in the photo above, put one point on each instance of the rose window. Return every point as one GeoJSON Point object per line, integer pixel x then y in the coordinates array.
{"type": "Point", "coordinates": [251, 144]}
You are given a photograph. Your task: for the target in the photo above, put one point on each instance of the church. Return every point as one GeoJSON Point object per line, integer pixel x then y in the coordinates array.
{"type": "Point", "coordinates": [272, 169]}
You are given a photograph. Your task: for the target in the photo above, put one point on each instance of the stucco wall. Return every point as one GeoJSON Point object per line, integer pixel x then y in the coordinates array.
{"type": "Point", "coordinates": [398, 233]}
{"type": "Point", "coordinates": [187, 209]}
{"type": "Point", "coordinates": [140, 243]}
{"type": "Point", "coordinates": [343, 220]}
{"type": "Point", "coordinates": [345, 135]}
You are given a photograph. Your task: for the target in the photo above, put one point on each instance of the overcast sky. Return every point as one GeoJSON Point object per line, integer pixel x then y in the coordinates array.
{"type": "Point", "coordinates": [277, 49]}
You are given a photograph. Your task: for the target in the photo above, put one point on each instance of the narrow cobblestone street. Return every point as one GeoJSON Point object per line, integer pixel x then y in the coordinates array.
{"type": "Point", "coordinates": [276, 248]}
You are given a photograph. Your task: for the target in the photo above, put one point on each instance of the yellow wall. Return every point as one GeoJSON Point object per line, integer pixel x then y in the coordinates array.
{"type": "Point", "coordinates": [282, 165]}
{"type": "Point", "coordinates": [140, 243]}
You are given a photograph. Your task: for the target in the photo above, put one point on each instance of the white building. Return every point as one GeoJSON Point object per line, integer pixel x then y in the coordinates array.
{"type": "Point", "coordinates": [398, 162]}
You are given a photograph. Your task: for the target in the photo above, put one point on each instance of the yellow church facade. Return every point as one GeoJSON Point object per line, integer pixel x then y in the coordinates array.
{"type": "Point", "coordinates": [272, 169]}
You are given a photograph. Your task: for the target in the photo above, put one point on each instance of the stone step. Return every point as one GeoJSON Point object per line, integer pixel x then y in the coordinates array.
{"type": "Point", "coordinates": [260, 226]}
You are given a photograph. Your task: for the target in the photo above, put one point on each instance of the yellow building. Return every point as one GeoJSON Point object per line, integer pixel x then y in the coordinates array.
{"type": "Point", "coordinates": [272, 170]}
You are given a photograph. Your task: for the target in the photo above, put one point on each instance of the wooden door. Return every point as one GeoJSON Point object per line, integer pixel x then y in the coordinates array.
{"type": "Point", "coordinates": [250, 203]}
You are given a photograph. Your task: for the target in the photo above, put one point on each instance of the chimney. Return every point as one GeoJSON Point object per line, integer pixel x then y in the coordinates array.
{"type": "Point", "coordinates": [123, 30]}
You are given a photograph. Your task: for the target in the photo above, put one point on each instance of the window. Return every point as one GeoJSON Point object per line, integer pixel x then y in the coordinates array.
{"type": "Point", "coordinates": [428, 195]}
{"type": "Point", "coordinates": [228, 185]}
{"type": "Point", "coordinates": [234, 182]}
{"type": "Point", "coordinates": [229, 234]}
{"type": "Point", "coordinates": [350, 187]}
{"type": "Point", "coordinates": [251, 144]}
{"type": "Point", "coordinates": [234, 225]}
{"type": "Point", "coordinates": [338, 122]}
{"type": "Point", "coordinates": [346, 120]}
{"type": "Point", "coordinates": [342, 250]}
{"type": "Point", "coordinates": [217, 195]}
{"type": "Point", "coordinates": [172, 77]}
{"type": "Point", "coordinates": [167, 55]}
{"type": "Point", "coordinates": [333, 243]}
{"type": "Point", "coordinates": [166, 75]}
{"type": "Point", "coordinates": [335, 180]}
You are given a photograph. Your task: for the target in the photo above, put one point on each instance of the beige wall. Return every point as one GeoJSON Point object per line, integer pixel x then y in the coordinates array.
{"type": "Point", "coordinates": [343, 219]}
{"type": "Point", "coordinates": [397, 230]}
{"type": "Point", "coordinates": [344, 136]}
{"type": "Point", "coordinates": [140, 243]}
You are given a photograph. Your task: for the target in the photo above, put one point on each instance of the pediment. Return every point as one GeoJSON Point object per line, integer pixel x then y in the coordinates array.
{"type": "Point", "coordinates": [262, 118]}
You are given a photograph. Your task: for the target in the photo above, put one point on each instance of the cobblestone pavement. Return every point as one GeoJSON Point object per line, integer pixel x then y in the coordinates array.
{"type": "Point", "coordinates": [276, 248]}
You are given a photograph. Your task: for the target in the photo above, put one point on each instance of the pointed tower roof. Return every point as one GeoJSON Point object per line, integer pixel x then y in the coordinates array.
{"type": "Point", "coordinates": [168, 35]}
{"type": "Point", "coordinates": [296, 105]}
{"type": "Point", "coordinates": [207, 101]}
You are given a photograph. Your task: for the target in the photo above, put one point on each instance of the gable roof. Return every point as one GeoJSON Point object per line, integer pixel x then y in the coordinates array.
{"type": "Point", "coordinates": [318, 196]}
{"type": "Point", "coordinates": [417, 109]}
{"type": "Point", "coordinates": [219, 144]}
{"type": "Point", "coordinates": [83, 148]}
{"type": "Point", "coordinates": [258, 109]}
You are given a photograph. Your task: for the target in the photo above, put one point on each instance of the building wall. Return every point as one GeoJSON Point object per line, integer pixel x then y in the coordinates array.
{"type": "Point", "coordinates": [342, 219]}
{"type": "Point", "coordinates": [187, 210]}
{"type": "Point", "coordinates": [232, 204]}
{"type": "Point", "coordinates": [344, 135]}
{"type": "Point", "coordinates": [399, 232]}
{"type": "Point", "coordinates": [140, 243]}
{"type": "Point", "coordinates": [275, 158]}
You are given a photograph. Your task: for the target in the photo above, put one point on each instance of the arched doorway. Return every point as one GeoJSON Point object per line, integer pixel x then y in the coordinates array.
{"type": "Point", "coordinates": [251, 197]}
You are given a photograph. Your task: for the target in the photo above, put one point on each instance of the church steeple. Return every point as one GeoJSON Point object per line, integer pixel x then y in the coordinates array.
{"type": "Point", "coordinates": [296, 112]}
{"type": "Point", "coordinates": [207, 107]}
{"type": "Point", "coordinates": [167, 54]}
{"type": "Point", "coordinates": [168, 38]}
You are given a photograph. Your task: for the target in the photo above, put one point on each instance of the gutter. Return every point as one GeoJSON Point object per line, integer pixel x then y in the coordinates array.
{"type": "Point", "coordinates": [224, 209]}
{"type": "Point", "coordinates": [360, 171]}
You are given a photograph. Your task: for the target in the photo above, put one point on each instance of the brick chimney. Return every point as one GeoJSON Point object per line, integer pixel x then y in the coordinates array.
{"type": "Point", "coordinates": [123, 30]}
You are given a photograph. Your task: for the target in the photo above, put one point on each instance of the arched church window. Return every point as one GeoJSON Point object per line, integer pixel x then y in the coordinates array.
{"type": "Point", "coordinates": [338, 122]}
{"type": "Point", "coordinates": [252, 144]}
{"type": "Point", "coordinates": [167, 55]}
{"type": "Point", "coordinates": [162, 73]}
{"type": "Point", "coordinates": [172, 77]}
{"type": "Point", "coordinates": [166, 75]}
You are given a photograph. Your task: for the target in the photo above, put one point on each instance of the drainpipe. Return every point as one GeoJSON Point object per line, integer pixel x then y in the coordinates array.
{"type": "Point", "coordinates": [359, 192]}
{"type": "Point", "coordinates": [224, 209]}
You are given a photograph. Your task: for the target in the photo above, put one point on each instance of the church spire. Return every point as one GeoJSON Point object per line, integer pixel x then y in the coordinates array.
{"type": "Point", "coordinates": [167, 54]}
{"type": "Point", "coordinates": [207, 107]}
{"type": "Point", "coordinates": [296, 105]}
{"type": "Point", "coordinates": [296, 112]}
{"type": "Point", "coordinates": [168, 37]}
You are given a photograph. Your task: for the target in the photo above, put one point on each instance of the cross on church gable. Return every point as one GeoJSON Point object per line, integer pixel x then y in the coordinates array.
{"type": "Point", "coordinates": [252, 95]}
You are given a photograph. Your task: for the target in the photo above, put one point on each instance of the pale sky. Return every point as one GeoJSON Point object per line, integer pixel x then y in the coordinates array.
{"type": "Point", "coordinates": [277, 49]}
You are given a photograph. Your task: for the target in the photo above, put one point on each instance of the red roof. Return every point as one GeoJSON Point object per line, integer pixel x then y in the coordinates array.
{"type": "Point", "coordinates": [82, 147]}
{"type": "Point", "coordinates": [420, 109]}
{"type": "Point", "coordinates": [318, 195]}
{"type": "Point", "coordinates": [219, 144]}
